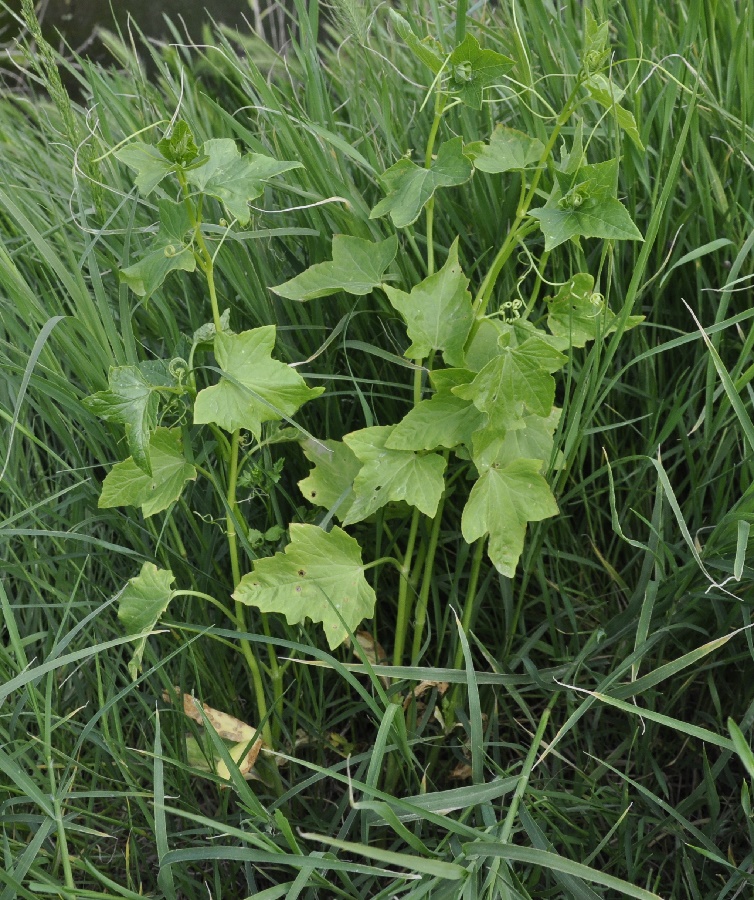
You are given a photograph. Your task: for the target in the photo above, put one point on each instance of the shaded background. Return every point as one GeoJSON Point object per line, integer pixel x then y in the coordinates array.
{"type": "Point", "coordinates": [74, 22]}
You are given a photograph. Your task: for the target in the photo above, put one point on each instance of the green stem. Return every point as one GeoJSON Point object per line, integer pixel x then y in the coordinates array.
{"type": "Point", "coordinates": [404, 604]}
{"type": "Point", "coordinates": [401, 625]}
{"type": "Point", "coordinates": [429, 565]}
{"type": "Point", "coordinates": [467, 616]}
{"type": "Point", "coordinates": [439, 109]}
{"type": "Point", "coordinates": [211, 600]}
{"type": "Point", "coordinates": [488, 285]}
{"type": "Point", "coordinates": [246, 649]}
{"type": "Point", "coordinates": [203, 257]}
{"type": "Point", "coordinates": [470, 602]}
{"type": "Point", "coordinates": [230, 517]}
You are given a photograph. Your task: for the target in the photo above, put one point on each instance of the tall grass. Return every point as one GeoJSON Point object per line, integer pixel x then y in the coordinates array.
{"type": "Point", "coordinates": [592, 738]}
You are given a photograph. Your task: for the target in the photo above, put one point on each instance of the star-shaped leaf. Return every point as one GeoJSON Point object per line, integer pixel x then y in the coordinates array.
{"type": "Point", "coordinates": [443, 421]}
{"type": "Point", "coordinates": [390, 475]}
{"type": "Point", "coordinates": [357, 267]}
{"type": "Point", "coordinates": [170, 250]}
{"type": "Point", "coordinates": [179, 147]}
{"type": "Point", "coordinates": [580, 315]}
{"type": "Point", "coordinates": [128, 485]}
{"type": "Point", "coordinates": [319, 576]}
{"type": "Point", "coordinates": [233, 179]}
{"type": "Point", "coordinates": [606, 219]}
{"type": "Point", "coordinates": [472, 70]}
{"type": "Point", "coordinates": [501, 502]}
{"type": "Point", "coordinates": [132, 400]}
{"type": "Point", "coordinates": [587, 207]}
{"type": "Point", "coordinates": [519, 376]}
{"type": "Point", "coordinates": [149, 164]}
{"type": "Point", "coordinates": [438, 311]}
{"type": "Point", "coordinates": [409, 186]}
{"type": "Point", "coordinates": [330, 482]}
{"type": "Point", "coordinates": [507, 150]}
{"type": "Point", "coordinates": [255, 389]}
{"type": "Point", "coordinates": [143, 601]}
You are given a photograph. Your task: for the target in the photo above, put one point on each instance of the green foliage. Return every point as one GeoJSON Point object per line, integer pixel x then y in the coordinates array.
{"type": "Point", "coordinates": [579, 631]}
{"type": "Point", "coordinates": [142, 602]}
{"type": "Point", "coordinates": [500, 504]}
{"type": "Point", "coordinates": [586, 205]}
{"type": "Point", "coordinates": [507, 150]}
{"type": "Point", "coordinates": [133, 400]}
{"type": "Point", "coordinates": [472, 70]}
{"type": "Point", "coordinates": [319, 576]}
{"type": "Point", "coordinates": [357, 267]}
{"type": "Point", "coordinates": [437, 312]}
{"type": "Point", "coordinates": [127, 484]}
{"type": "Point", "coordinates": [578, 314]}
{"type": "Point", "coordinates": [391, 475]}
{"type": "Point", "coordinates": [255, 388]}
{"type": "Point", "coordinates": [330, 482]}
{"type": "Point", "coordinates": [233, 179]}
{"type": "Point", "coordinates": [410, 187]}
{"type": "Point", "coordinates": [171, 251]}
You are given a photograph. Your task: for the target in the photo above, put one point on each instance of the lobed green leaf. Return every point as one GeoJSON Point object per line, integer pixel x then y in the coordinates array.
{"type": "Point", "coordinates": [319, 576]}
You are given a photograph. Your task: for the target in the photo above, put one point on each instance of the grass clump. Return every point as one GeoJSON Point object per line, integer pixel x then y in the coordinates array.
{"type": "Point", "coordinates": [273, 628]}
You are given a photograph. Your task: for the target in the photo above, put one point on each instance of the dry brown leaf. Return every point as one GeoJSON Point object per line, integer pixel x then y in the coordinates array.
{"type": "Point", "coordinates": [373, 651]}
{"type": "Point", "coordinates": [423, 687]}
{"type": "Point", "coordinates": [462, 772]}
{"type": "Point", "coordinates": [227, 727]}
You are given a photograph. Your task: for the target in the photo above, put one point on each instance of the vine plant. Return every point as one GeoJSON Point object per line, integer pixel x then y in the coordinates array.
{"type": "Point", "coordinates": [483, 390]}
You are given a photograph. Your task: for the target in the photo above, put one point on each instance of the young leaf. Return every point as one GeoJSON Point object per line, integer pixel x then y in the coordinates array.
{"type": "Point", "coordinates": [131, 401]}
{"type": "Point", "coordinates": [147, 161]}
{"type": "Point", "coordinates": [608, 95]}
{"type": "Point", "coordinates": [128, 485]}
{"type": "Point", "coordinates": [357, 267]}
{"type": "Point", "coordinates": [330, 482]}
{"type": "Point", "coordinates": [390, 475]}
{"type": "Point", "coordinates": [472, 70]}
{"type": "Point", "coordinates": [144, 599]}
{"type": "Point", "coordinates": [319, 576]}
{"type": "Point", "coordinates": [579, 315]}
{"type": "Point", "coordinates": [427, 50]}
{"type": "Point", "coordinates": [587, 207]}
{"type": "Point", "coordinates": [595, 50]}
{"type": "Point", "coordinates": [235, 180]}
{"type": "Point", "coordinates": [169, 251]}
{"type": "Point", "coordinates": [180, 147]}
{"type": "Point", "coordinates": [256, 388]}
{"type": "Point", "coordinates": [598, 181]}
{"type": "Point", "coordinates": [443, 421]}
{"type": "Point", "coordinates": [438, 311]}
{"type": "Point", "coordinates": [444, 380]}
{"type": "Point", "coordinates": [606, 219]}
{"type": "Point", "coordinates": [530, 437]}
{"type": "Point", "coordinates": [501, 502]}
{"type": "Point", "coordinates": [205, 334]}
{"type": "Point", "coordinates": [520, 375]}
{"type": "Point", "coordinates": [409, 186]}
{"type": "Point", "coordinates": [508, 149]}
